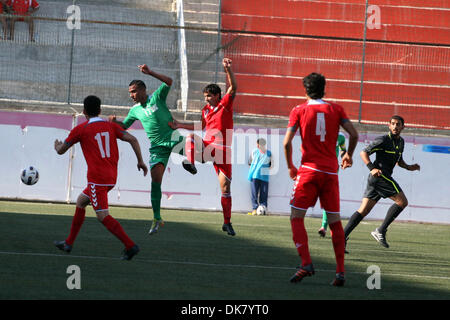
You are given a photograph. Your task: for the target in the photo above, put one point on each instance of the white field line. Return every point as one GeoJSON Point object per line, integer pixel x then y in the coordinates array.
{"type": "Point", "coordinates": [227, 265]}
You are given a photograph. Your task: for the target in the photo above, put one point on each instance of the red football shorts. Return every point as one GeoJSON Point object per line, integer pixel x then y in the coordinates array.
{"type": "Point", "coordinates": [98, 195]}
{"type": "Point", "coordinates": [220, 156]}
{"type": "Point", "coordinates": [310, 185]}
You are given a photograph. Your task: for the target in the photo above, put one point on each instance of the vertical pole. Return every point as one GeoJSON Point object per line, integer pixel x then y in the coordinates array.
{"type": "Point", "coordinates": [218, 41]}
{"type": "Point", "coordinates": [71, 159]}
{"type": "Point", "coordinates": [71, 63]}
{"type": "Point", "coordinates": [182, 54]}
{"type": "Point", "coordinates": [363, 62]}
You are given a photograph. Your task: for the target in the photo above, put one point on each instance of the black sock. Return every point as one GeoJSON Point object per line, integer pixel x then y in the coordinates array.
{"type": "Point", "coordinates": [392, 213]}
{"type": "Point", "coordinates": [355, 219]}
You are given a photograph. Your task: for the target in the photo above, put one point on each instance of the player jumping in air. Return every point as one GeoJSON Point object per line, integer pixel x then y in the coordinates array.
{"type": "Point", "coordinates": [98, 140]}
{"type": "Point", "coordinates": [217, 122]}
{"type": "Point", "coordinates": [154, 115]}
{"type": "Point", "coordinates": [380, 184]}
{"type": "Point", "coordinates": [318, 122]}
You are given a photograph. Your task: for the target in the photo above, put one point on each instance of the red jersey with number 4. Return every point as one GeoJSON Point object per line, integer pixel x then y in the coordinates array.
{"type": "Point", "coordinates": [318, 122]}
{"type": "Point", "coordinates": [218, 122]}
{"type": "Point", "coordinates": [98, 140]}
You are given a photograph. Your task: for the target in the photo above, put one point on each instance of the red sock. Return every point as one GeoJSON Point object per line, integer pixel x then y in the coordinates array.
{"type": "Point", "coordinates": [116, 229]}
{"type": "Point", "coordinates": [300, 237]}
{"type": "Point", "coordinates": [226, 207]}
{"type": "Point", "coordinates": [338, 239]}
{"type": "Point", "coordinates": [77, 222]}
{"type": "Point", "coordinates": [190, 149]}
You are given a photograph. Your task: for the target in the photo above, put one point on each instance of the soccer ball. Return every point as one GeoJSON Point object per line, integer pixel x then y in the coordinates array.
{"type": "Point", "coordinates": [29, 175]}
{"type": "Point", "coordinates": [261, 210]}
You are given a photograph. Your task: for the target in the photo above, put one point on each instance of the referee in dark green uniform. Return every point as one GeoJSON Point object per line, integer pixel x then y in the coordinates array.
{"type": "Point", "coordinates": [380, 184]}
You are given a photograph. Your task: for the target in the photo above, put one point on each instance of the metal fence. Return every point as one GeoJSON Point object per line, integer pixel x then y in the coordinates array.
{"type": "Point", "coordinates": [399, 63]}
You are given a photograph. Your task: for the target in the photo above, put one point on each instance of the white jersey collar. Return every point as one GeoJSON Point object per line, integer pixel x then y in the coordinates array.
{"type": "Point", "coordinates": [316, 101]}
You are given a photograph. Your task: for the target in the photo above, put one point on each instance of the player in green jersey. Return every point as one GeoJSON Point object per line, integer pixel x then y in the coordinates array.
{"type": "Point", "coordinates": [154, 115]}
{"type": "Point", "coordinates": [340, 146]}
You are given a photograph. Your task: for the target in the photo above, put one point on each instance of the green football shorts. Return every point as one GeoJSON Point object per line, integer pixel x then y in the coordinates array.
{"type": "Point", "coordinates": [161, 153]}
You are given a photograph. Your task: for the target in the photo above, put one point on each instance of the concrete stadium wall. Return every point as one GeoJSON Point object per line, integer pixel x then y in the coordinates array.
{"type": "Point", "coordinates": [27, 139]}
{"type": "Point", "coordinates": [405, 57]}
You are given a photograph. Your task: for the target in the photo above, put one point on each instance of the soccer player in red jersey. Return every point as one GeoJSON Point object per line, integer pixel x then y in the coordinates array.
{"type": "Point", "coordinates": [318, 122]}
{"type": "Point", "coordinates": [98, 139]}
{"type": "Point", "coordinates": [217, 122]}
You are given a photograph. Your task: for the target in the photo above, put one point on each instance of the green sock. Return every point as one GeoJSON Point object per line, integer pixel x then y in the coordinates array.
{"type": "Point", "coordinates": [155, 196]}
{"type": "Point", "coordinates": [324, 220]}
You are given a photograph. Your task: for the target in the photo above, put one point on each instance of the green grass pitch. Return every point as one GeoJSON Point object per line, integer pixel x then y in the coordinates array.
{"type": "Point", "coordinates": [191, 258]}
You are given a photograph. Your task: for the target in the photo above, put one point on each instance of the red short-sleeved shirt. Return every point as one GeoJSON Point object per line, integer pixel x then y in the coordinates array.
{"type": "Point", "coordinates": [218, 122]}
{"type": "Point", "coordinates": [21, 7]}
{"type": "Point", "coordinates": [318, 122]}
{"type": "Point", "coordinates": [98, 139]}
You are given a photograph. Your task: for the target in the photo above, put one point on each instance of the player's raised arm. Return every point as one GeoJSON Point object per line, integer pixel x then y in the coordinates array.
{"type": "Point", "coordinates": [174, 124]}
{"type": "Point", "coordinates": [230, 77]}
{"type": "Point", "coordinates": [161, 77]}
{"type": "Point", "coordinates": [409, 167]}
{"type": "Point", "coordinates": [61, 147]}
{"type": "Point", "coordinates": [347, 160]}
{"type": "Point", "coordinates": [113, 118]}
{"type": "Point", "coordinates": [287, 145]}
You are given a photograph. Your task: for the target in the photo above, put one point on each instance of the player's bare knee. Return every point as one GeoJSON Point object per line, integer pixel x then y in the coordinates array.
{"type": "Point", "coordinates": [402, 203]}
{"type": "Point", "coordinates": [101, 215]}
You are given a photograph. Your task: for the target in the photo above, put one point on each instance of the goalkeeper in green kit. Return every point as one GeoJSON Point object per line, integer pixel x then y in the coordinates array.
{"type": "Point", "coordinates": [154, 115]}
{"type": "Point", "coordinates": [340, 146]}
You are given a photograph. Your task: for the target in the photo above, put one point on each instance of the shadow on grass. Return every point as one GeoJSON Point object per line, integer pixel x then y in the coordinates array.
{"type": "Point", "coordinates": [184, 261]}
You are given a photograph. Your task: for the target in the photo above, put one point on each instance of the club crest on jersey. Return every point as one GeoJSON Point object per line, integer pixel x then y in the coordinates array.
{"type": "Point", "coordinates": [151, 109]}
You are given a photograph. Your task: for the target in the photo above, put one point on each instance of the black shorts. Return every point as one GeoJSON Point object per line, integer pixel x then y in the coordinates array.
{"type": "Point", "coordinates": [381, 187]}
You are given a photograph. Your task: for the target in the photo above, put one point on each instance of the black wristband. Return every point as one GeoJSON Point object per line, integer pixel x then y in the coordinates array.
{"type": "Point", "coordinates": [371, 166]}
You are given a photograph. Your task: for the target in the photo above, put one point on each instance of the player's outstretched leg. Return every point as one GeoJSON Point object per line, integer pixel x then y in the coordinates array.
{"type": "Point", "coordinates": [189, 147]}
{"type": "Point", "coordinates": [128, 254]}
{"type": "Point", "coordinates": [63, 246]}
{"type": "Point", "coordinates": [77, 222]}
{"type": "Point", "coordinates": [113, 226]}
{"type": "Point", "coordinates": [338, 239]}
{"type": "Point", "coordinates": [323, 229]}
{"type": "Point", "coordinates": [300, 238]}
{"type": "Point", "coordinates": [380, 233]}
{"type": "Point", "coordinates": [226, 208]}
{"type": "Point", "coordinates": [302, 272]}
{"type": "Point", "coordinates": [156, 196]}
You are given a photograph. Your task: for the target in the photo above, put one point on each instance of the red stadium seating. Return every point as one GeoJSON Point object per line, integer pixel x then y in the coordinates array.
{"type": "Point", "coordinates": [400, 74]}
{"type": "Point", "coordinates": [337, 28]}
{"type": "Point", "coordinates": [341, 11]}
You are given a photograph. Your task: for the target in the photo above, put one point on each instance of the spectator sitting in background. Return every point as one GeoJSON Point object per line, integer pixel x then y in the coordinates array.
{"type": "Point", "coordinates": [24, 9]}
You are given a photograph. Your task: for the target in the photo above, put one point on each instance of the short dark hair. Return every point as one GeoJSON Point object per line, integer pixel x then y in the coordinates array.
{"type": "Point", "coordinates": [396, 117]}
{"type": "Point", "coordinates": [92, 106]}
{"type": "Point", "coordinates": [139, 84]}
{"type": "Point", "coordinates": [212, 89]}
{"type": "Point", "coordinates": [261, 141]}
{"type": "Point", "coordinates": [314, 84]}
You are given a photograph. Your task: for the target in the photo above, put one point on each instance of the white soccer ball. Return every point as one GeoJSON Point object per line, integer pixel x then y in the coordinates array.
{"type": "Point", "coordinates": [261, 210]}
{"type": "Point", "coordinates": [29, 175]}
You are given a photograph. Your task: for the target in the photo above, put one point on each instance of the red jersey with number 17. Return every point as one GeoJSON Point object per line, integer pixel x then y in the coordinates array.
{"type": "Point", "coordinates": [318, 122]}
{"type": "Point", "coordinates": [98, 140]}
